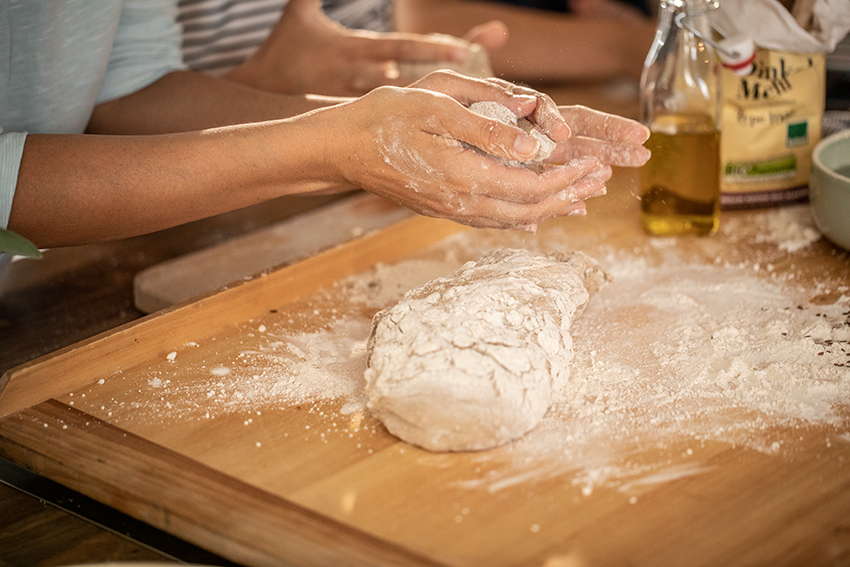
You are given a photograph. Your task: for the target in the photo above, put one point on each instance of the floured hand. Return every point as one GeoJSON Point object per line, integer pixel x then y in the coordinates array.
{"type": "Point", "coordinates": [583, 131]}
{"type": "Point", "coordinates": [612, 139]}
{"type": "Point", "coordinates": [408, 145]}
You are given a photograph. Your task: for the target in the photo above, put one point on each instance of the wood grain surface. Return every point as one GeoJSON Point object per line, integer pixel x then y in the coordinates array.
{"type": "Point", "coordinates": [267, 484]}
{"type": "Point", "coordinates": [203, 271]}
{"type": "Point", "coordinates": [76, 293]}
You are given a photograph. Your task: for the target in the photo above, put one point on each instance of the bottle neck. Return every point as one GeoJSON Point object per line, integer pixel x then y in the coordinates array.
{"type": "Point", "coordinates": [693, 7]}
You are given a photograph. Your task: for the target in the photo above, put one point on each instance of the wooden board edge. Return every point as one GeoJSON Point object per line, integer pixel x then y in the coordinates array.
{"type": "Point", "coordinates": [294, 239]}
{"type": "Point", "coordinates": [125, 347]}
{"type": "Point", "coordinates": [155, 485]}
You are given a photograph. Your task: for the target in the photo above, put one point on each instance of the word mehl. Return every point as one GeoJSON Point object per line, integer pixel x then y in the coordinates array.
{"type": "Point", "coordinates": [767, 81]}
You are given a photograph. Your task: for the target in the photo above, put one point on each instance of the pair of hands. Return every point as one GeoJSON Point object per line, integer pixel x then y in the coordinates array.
{"type": "Point", "coordinates": [306, 52]}
{"type": "Point", "coordinates": [407, 145]}
{"type": "Point", "coordinates": [408, 142]}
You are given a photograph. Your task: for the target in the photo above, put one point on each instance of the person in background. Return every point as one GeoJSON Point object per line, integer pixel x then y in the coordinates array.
{"type": "Point", "coordinates": [296, 47]}
{"type": "Point", "coordinates": [339, 47]}
{"type": "Point", "coordinates": [302, 50]}
{"type": "Point", "coordinates": [546, 40]}
{"type": "Point", "coordinates": [105, 134]}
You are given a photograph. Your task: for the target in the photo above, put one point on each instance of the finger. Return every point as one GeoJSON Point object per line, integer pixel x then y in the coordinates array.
{"type": "Point", "coordinates": [549, 118]}
{"type": "Point", "coordinates": [484, 211]}
{"type": "Point", "coordinates": [567, 183]}
{"type": "Point", "coordinates": [490, 35]}
{"type": "Point", "coordinates": [468, 90]}
{"type": "Point", "coordinates": [613, 153]}
{"type": "Point", "coordinates": [605, 173]}
{"type": "Point", "coordinates": [545, 114]}
{"type": "Point", "coordinates": [488, 135]}
{"type": "Point", "coordinates": [410, 47]}
{"type": "Point", "coordinates": [603, 126]}
{"type": "Point", "coordinates": [585, 188]}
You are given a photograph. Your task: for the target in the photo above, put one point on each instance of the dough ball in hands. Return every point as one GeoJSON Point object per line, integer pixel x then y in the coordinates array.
{"type": "Point", "coordinates": [502, 113]}
{"type": "Point", "coordinates": [477, 63]}
{"type": "Point", "coordinates": [472, 360]}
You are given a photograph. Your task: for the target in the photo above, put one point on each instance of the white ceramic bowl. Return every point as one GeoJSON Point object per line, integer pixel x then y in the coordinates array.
{"type": "Point", "coordinates": [829, 187]}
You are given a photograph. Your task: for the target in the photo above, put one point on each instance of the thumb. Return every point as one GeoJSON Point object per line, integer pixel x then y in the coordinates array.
{"type": "Point", "coordinates": [489, 135]}
{"type": "Point", "coordinates": [491, 35]}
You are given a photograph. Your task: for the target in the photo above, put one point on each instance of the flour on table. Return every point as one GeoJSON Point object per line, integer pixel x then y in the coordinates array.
{"type": "Point", "coordinates": [472, 360]}
{"type": "Point", "coordinates": [790, 229]}
{"type": "Point", "coordinates": [502, 113]}
{"type": "Point", "coordinates": [681, 357]}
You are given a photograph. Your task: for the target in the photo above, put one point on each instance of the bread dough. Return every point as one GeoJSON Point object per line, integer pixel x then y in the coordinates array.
{"type": "Point", "coordinates": [502, 113]}
{"type": "Point", "coordinates": [476, 65]}
{"type": "Point", "coordinates": [472, 360]}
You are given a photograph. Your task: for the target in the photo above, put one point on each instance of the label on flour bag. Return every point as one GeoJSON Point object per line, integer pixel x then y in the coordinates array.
{"type": "Point", "coordinates": [770, 123]}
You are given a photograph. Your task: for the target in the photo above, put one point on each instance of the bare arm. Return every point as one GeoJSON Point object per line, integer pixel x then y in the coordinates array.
{"type": "Point", "coordinates": [401, 143]}
{"type": "Point", "coordinates": [541, 46]}
{"type": "Point", "coordinates": [74, 189]}
{"type": "Point", "coordinates": [184, 100]}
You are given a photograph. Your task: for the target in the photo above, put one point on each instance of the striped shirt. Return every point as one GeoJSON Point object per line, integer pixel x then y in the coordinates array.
{"type": "Point", "coordinates": [220, 34]}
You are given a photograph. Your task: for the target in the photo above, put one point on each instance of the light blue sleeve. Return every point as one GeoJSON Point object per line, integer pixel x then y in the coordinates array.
{"type": "Point", "coordinates": [11, 150]}
{"type": "Point", "coordinates": [147, 46]}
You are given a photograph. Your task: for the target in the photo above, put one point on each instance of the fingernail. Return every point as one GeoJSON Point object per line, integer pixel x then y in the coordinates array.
{"type": "Point", "coordinates": [577, 213]}
{"type": "Point", "coordinates": [603, 191]}
{"type": "Point", "coordinates": [525, 145]}
{"type": "Point", "coordinates": [460, 54]}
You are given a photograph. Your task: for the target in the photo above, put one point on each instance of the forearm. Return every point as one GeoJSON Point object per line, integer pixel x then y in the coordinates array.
{"type": "Point", "coordinates": [78, 188]}
{"type": "Point", "coordinates": [185, 101]}
{"type": "Point", "coordinates": [542, 46]}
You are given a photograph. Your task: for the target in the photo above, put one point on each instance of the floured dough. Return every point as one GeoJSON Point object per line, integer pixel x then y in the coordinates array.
{"type": "Point", "coordinates": [472, 360]}
{"type": "Point", "coordinates": [502, 113]}
{"type": "Point", "coordinates": [476, 65]}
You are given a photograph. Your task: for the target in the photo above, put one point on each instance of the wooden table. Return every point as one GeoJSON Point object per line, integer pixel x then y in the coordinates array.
{"type": "Point", "coordinates": [95, 284]}
{"type": "Point", "coordinates": [78, 292]}
{"type": "Point", "coordinates": [326, 496]}
{"type": "Point", "coordinates": [71, 295]}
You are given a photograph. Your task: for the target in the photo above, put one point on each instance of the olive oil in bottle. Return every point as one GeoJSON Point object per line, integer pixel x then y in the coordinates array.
{"type": "Point", "coordinates": [680, 104]}
{"type": "Point", "coordinates": [680, 185]}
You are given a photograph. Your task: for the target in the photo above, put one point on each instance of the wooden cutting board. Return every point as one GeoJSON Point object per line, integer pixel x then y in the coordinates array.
{"type": "Point", "coordinates": [235, 421]}
{"type": "Point", "coordinates": [282, 243]}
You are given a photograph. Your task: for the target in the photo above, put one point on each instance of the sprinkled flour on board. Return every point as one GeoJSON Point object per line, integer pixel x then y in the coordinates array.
{"type": "Point", "coordinates": [692, 357]}
{"type": "Point", "coordinates": [667, 361]}
{"type": "Point", "coordinates": [789, 228]}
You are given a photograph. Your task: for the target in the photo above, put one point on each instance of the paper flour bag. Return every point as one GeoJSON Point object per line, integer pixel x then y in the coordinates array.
{"type": "Point", "coordinates": [771, 117]}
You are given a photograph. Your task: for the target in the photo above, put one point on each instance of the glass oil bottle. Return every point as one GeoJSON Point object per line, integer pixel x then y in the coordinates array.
{"type": "Point", "coordinates": [680, 104]}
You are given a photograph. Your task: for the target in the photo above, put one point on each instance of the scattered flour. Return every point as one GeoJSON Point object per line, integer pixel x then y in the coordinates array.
{"type": "Point", "coordinates": [686, 358]}
{"type": "Point", "coordinates": [789, 228]}
{"type": "Point", "coordinates": [667, 362]}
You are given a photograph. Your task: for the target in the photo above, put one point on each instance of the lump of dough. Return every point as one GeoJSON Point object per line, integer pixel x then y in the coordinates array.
{"type": "Point", "coordinates": [476, 65]}
{"type": "Point", "coordinates": [472, 360]}
{"type": "Point", "coordinates": [502, 113]}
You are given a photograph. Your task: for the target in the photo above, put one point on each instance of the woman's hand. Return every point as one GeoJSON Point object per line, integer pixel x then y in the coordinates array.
{"type": "Point", "coordinates": [307, 52]}
{"type": "Point", "coordinates": [407, 145]}
{"type": "Point", "coordinates": [612, 139]}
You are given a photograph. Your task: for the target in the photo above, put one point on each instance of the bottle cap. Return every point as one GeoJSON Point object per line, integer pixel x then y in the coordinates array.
{"type": "Point", "coordinates": [737, 53]}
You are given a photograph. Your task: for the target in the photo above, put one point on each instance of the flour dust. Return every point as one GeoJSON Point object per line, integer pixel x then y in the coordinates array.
{"type": "Point", "coordinates": [668, 361]}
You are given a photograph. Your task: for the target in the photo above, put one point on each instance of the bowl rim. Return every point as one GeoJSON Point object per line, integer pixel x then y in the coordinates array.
{"type": "Point", "coordinates": [816, 161]}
